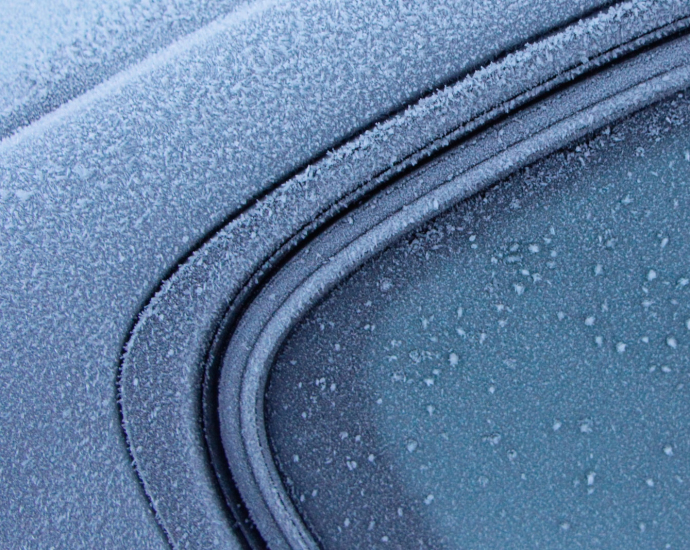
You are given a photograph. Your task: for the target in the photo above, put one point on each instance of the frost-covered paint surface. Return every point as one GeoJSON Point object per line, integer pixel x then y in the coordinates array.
{"type": "Point", "coordinates": [514, 375]}
{"type": "Point", "coordinates": [53, 51]}
{"type": "Point", "coordinates": [100, 198]}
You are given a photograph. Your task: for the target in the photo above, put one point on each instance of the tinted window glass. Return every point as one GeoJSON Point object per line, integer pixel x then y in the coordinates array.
{"type": "Point", "coordinates": [515, 374]}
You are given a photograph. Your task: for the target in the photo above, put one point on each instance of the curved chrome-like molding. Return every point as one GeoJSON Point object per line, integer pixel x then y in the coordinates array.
{"type": "Point", "coordinates": [220, 294]}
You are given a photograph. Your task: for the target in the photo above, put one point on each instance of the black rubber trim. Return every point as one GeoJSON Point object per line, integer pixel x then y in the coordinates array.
{"type": "Point", "coordinates": [175, 442]}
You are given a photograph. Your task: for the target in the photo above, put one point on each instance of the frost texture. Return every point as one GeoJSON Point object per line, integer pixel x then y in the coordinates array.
{"type": "Point", "coordinates": [55, 51]}
{"type": "Point", "coordinates": [100, 198]}
{"type": "Point", "coordinates": [518, 369]}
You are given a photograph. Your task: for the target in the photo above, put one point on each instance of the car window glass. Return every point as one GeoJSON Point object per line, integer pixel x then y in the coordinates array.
{"type": "Point", "coordinates": [513, 375]}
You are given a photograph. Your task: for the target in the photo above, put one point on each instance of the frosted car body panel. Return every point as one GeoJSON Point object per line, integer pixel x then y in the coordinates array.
{"type": "Point", "coordinates": [56, 51]}
{"type": "Point", "coordinates": [103, 196]}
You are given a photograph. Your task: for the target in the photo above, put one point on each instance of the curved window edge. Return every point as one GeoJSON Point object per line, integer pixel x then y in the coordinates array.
{"type": "Point", "coordinates": [168, 353]}
{"type": "Point", "coordinates": [335, 254]}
